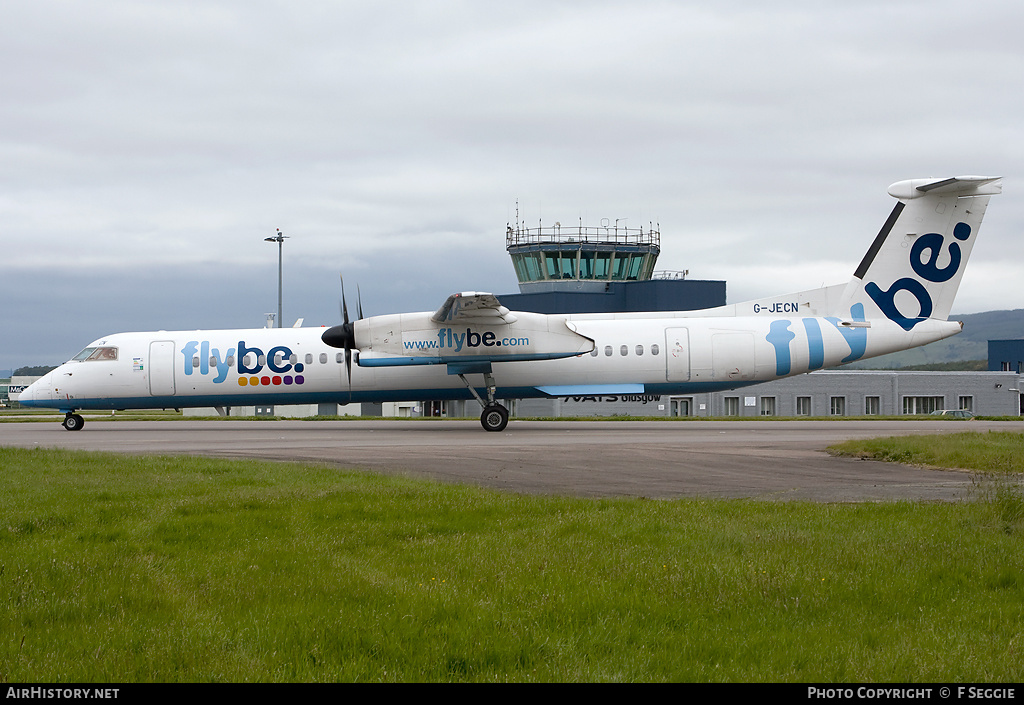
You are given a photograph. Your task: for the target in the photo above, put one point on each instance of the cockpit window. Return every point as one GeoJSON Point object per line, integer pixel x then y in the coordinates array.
{"type": "Point", "coordinates": [101, 353]}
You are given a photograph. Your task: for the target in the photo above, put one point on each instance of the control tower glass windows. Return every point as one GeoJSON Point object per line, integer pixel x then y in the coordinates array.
{"type": "Point", "coordinates": [634, 267]}
{"type": "Point", "coordinates": [529, 267]}
{"type": "Point", "coordinates": [551, 265]}
{"type": "Point", "coordinates": [619, 267]}
{"type": "Point", "coordinates": [520, 267]}
{"type": "Point", "coordinates": [587, 265]}
{"type": "Point", "coordinates": [595, 255]}
{"type": "Point", "coordinates": [568, 268]}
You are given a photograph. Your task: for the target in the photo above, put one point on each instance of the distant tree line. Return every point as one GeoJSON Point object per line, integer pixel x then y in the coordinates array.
{"type": "Point", "coordinates": [33, 371]}
{"type": "Point", "coordinates": [956, 366]}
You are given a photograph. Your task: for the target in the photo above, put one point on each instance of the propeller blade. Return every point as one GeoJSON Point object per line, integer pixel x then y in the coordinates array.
{"type": "Point", "coordinates": [343, 335]}
{"type": "Point", "coordinates": [344, 307]}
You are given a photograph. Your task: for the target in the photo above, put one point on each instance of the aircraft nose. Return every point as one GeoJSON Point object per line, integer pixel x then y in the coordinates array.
{"type": "Point", "coordinates": [35, 392]}
{"type": "Point", "coordinates": [28, 394]}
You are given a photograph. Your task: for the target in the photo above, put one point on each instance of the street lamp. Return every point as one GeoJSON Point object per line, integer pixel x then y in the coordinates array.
{"type": "Point", "coordinates": [279, 239]}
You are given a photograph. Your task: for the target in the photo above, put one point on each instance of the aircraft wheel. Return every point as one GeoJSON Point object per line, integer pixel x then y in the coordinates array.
{"type": "Point", "coordinates": [494, 418]}
{"type": "Point", "coordinates": [73, 422]}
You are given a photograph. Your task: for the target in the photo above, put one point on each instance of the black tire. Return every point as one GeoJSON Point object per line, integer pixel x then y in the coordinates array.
{"type": "Point", "coordinates": [494, 418]}
{"type": "Point", "coordinates": [73, 422]}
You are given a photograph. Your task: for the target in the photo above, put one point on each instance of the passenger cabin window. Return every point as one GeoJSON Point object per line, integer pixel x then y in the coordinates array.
{"type": "Point", "coordinates": [624, 350]}
{"type": "Point", "coordinates": [639, 349]}
{"type": "Point", "coordinates": [101, 353]}
{"type": "Point", "coordinates": [654, 349]}
{"type": "Point", "coordinates": [608, 350]}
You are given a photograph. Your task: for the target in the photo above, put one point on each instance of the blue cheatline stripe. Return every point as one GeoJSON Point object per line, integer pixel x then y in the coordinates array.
{"type": "Point", "coordinates": [779, 336]}
{"type": "Point", "coordinates": [365, 361]}
{"type": "Point", "coordinates": [344, 397]}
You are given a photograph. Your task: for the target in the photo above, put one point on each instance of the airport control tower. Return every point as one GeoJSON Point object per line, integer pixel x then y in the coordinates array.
{"type": "Point", "coordinates": [581, 258]}
{"type": "Point", "coordinates": [609, 268]}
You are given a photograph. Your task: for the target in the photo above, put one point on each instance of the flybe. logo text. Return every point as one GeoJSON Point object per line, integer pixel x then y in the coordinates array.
{"type": "Point", "coordinates": [201, 358]}
{"type": "Point", "coordinates": [923, 257]}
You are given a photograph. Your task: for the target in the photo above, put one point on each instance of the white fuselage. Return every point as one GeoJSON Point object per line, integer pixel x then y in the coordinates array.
{"type": "Point", "coordinates": [665, 353]}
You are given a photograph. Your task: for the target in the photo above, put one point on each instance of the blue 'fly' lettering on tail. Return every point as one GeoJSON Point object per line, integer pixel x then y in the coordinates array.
{"type": "Point", "coordinates": [779, 336]}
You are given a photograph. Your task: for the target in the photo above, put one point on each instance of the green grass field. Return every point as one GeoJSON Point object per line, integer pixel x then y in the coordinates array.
{"type": "Point", "coordinates": [125, 569]}
{"type": "Point", "coordinates": [993, 452]}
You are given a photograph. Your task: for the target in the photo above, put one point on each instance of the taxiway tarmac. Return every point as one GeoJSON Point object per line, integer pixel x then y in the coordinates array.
{"type": "Point", "coordinates": [771, 460]}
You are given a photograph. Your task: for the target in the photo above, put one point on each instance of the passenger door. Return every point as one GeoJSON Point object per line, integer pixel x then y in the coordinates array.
{"type": "Point", "coordinates": [161, 368]}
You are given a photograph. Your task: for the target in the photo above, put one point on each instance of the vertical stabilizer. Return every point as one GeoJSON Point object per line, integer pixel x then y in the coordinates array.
{"type": "Point", "coordinates": [914, 266]}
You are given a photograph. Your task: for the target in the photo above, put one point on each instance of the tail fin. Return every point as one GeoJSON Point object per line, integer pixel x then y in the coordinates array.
{"type": "Point", "coordinates": [914, 266]}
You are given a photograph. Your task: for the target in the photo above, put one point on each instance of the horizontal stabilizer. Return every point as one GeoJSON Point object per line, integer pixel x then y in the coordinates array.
{"type": "Point", "coordinates": [959, 185]}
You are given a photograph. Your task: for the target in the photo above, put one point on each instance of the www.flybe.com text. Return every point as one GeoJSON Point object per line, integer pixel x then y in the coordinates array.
{"type": "Point", "coordinates": [449, 339]}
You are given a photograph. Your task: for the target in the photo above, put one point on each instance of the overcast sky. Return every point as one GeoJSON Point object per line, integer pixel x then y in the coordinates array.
{"type": "Point", "coordinates": [148, 148]}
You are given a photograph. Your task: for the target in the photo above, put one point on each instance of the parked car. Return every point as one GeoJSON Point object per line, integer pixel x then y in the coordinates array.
{"type": "Point", "coordinates": [954, 413]}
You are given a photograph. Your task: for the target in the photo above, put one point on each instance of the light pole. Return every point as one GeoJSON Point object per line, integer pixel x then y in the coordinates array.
{"type": "Point", "coordinates": [279, 239]}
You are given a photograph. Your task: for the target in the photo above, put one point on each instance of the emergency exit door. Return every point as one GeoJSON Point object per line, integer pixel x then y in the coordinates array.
{"type": "Point", "coordinates": [677, 354]}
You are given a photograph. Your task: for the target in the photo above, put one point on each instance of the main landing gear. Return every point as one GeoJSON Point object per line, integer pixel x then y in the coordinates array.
{"type": "Point", "coordinates": [494, 416]}
{"type": "Point", "coordinates": [73, 422]}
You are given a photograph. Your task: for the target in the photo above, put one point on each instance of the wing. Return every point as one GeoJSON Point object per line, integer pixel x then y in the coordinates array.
{"type": "Point", "coordinates": [473, 307]}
